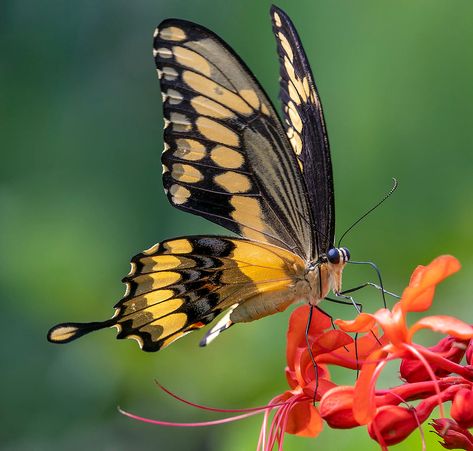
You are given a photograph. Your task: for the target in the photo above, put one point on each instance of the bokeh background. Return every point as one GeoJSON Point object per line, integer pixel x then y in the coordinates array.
{"type": "Point", "coordinates": [80, 193]}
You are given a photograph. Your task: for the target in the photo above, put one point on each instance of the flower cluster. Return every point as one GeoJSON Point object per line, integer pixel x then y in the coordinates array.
{"type": "Point", "coordinates": [430, 376]}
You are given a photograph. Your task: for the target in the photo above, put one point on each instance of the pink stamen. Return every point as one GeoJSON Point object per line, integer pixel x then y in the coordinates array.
{"type": "Point", "coordinates": [215, 409]}
{"type": "Point", "coordinates": [176, 424]}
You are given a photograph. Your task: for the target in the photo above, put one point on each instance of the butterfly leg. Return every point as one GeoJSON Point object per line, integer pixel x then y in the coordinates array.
{"type": "Point", "coordinates": [309, 348]}
{"type": "Point", "coordinates": [371, 284]}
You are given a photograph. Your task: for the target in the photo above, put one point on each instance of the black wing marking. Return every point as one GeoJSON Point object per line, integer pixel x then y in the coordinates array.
{"type": "Point", "coordinates": [182, 284]}
{"type": "Point", "coordinates": [305, 127]}
{"type": "Point", "coordinates": [226, 155]}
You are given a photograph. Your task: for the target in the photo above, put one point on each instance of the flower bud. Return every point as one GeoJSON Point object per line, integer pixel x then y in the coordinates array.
{"type": "Point", "coordinates": [412, 370]}
{"type": "Point", "coordinates": [454, 436]}
{"type": "Point", "coordinates": [392, 424]}
{"type": "Point", "coordinates": [462, 408]}
{"type": "Point", "coordinates": [336, 408]}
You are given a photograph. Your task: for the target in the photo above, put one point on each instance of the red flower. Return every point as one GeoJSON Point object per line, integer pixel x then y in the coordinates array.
{"type": "Point", "coordinates": [416, 297]}
{"type": "Point", "coordinates": [431, 376]}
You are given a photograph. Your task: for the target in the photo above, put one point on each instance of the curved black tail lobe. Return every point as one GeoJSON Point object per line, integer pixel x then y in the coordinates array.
{"type": "Point", "coordinates": [66, 332]}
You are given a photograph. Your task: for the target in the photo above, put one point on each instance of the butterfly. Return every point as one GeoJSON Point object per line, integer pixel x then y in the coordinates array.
{"type": "Point", "coordinates": [228, 158]}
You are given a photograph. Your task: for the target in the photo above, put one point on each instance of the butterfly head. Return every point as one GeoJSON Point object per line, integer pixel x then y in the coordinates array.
{"type": "Point", "coordinates": [337, 255]}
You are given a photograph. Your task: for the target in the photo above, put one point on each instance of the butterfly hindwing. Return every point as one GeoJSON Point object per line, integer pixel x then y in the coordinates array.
{"type": "Point", "coordinates": [226, 155]}
{"type": "Point", "coordinates": [182, 284]}
{"type": "Point", "coordinates": [305, 127]}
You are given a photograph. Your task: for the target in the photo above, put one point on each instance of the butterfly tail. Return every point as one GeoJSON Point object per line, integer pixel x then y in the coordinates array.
{"type": "Point", "coordinates": [66, 332]}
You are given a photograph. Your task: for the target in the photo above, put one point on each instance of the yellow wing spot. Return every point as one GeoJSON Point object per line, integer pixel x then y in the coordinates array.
{"type": "Point", "coordinates": [191, 59]}
{"type": "Point", "coordinates": [163, 327]}
{"type": "Point", "coordinates": [217, 132]}
{"type": "Point", "coordinates": [293, 94]}
{"type": "Point", "coordinates": [247, 212]}
{"type": "Point", "coordinates": [306, 87]}
{"type": "Point", "coordinates": [294, 116]}
{"type": "Point", "coordinates": [155, 311]}
{"type": "Point", "coordinates": [180, 122]}
{"type": "Point", "coordinates": [63, 333]}
{"type": "Point", "coordinates": [213, 90]}
{"type": "Point", "coordinates": [175, 97]}
{"type": "Point", "coordinates": [179, 194]}
{"type": "Point", "coordinates": [163, 52]}
{"type": "Point", "coordinates": [169, 73]}
{"type": "Point", "coordinates": [156, 32]}
{"type": "Point", "coordinates": [298, 84]}
{"type": "Point", "coordinates": [301, 166]}
{"type": "Point", "coordinates": [207, 107]}
{"type": "Point", "coordinates": [286, 46]}
{"type": "Point", "coordinates": [186, 173]}
{"type": "Point", "coordinates": [250, 96]}
{"type": "Point", "coordinates": [246, 253]}
{"type": "Point", "coordinates": [181, 246]}
{"type": "Point", "coordinates": [132, 269]}
{"type": "Point", "coordinates": [296, 143]}
{"type": "Point", "coordinates": [264, 109]}
{"type": "Point", "coordinates": [137, 338]}
{"type": "Point", "coordinates": [226, 157]}
{"type": "Point", "coordinates": [164, 167]}
{"type": "Point", "coordinates": [277, 19]}
{"type": "Point", "coordinates": [164, 262]}
{"type": "Point", "coordinates": [172, 34]}
{"type": "Point", "coordinates": [143, 301]}
{"type": "Point", "coordinates": [154, 281]}
{"type": "Point", "coordinates": [152, 250]}
{"type": "Point", "coordinates": [189, 149]}
{"type": "Point", "coordinates": [233, 182]}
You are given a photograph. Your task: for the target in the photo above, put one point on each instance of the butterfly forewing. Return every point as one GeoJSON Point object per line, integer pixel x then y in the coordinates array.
{"type": "Point", "coordinates": [182, 284]}
{"type": "Point", "coordinates": [226, 155]}
{"type": "Point", "coordinates": [305, 127]}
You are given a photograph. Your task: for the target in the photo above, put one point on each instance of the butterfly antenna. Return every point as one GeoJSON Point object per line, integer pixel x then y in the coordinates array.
{"type": "Point", "coordinates": [394, 187]}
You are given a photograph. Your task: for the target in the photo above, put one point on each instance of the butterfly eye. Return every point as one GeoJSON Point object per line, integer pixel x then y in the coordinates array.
{"type": "Point", "coordinates": [333, 255]}
{"type": "Point", "coordinates": [346, 254]}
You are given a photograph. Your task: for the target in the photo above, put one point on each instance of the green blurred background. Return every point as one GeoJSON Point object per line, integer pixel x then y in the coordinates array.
{"type": "Point", "coordinates": [80, 193]}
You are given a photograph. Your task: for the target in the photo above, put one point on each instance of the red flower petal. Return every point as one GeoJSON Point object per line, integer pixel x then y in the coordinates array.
{"type": "Point", "coordinates": [297, 327]}
{"type": "Point", "coordinates": [364, 322]}
{"type": "Point", "coordinates": [393, 324]}
{"type": "Point", "coordinates": [350, 356]}
{"type": "Point", "coordinates": [364, 402]}
{"type": "Point", "coordinates": [330, 341]}
{"type": "Point", "coordinates": [417, 297]}
{"type": "Point", "coordinates": [445, 324]}
{"type": "Point", "coordinates": [304, 420]}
